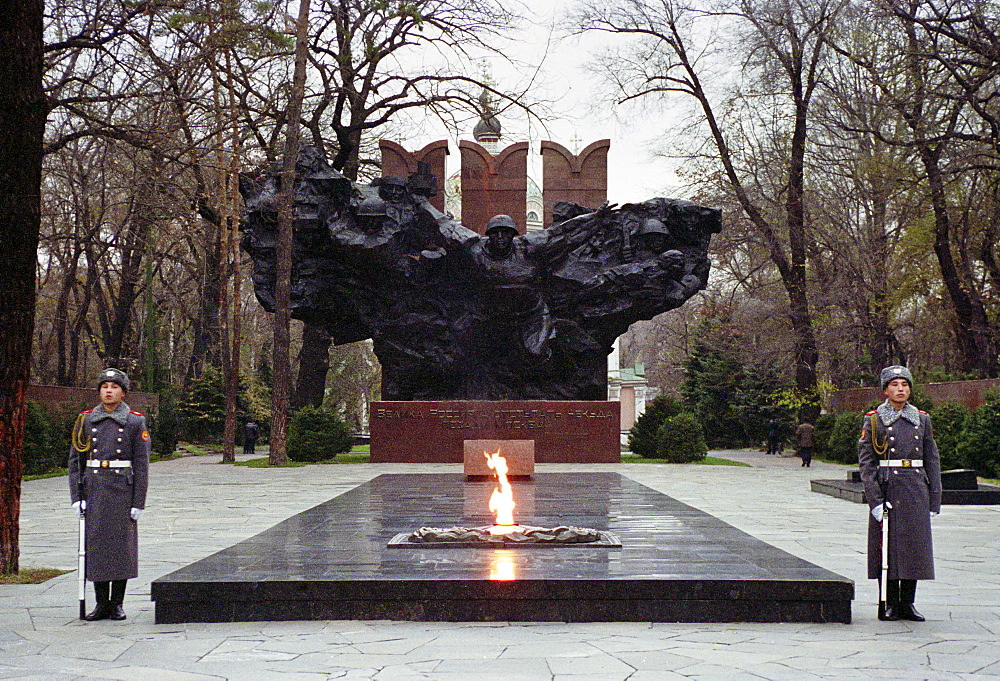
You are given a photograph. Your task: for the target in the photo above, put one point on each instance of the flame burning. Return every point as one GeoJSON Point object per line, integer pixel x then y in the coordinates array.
{"type": "Point", "coordinates": [502, 500]}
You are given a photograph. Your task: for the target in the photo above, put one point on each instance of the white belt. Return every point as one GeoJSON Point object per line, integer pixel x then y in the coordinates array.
{"type": "Point", "coordinates": [901, 463]}
{"type": "Point", "coordinates": [108, 463]}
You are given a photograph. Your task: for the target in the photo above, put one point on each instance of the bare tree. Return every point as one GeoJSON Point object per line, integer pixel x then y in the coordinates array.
{"type": "Point", "coordinates": [283, 268]}
{"type": "Point", "coordinates": [761, 133]}
{"type": "Point", "coordinates": [915, 77]}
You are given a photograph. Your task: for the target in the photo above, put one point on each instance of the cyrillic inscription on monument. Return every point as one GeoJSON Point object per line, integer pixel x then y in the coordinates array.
{"type": "Point", "coordinates": [563, 431]}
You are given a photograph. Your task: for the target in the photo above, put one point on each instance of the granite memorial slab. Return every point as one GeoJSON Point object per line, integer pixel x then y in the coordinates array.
{"type": "Point", "coordinates": [519, 455]}
{"type": "Point", "coordinates": [675, 563]}
{"type": "Point", "coordinates": [564, 431]}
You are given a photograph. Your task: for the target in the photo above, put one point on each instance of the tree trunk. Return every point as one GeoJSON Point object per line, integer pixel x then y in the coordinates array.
{"type": "Point", "coordinates": [229, 190]}
{"type": "Point", "coordinates": [283, 269]}
{"type": "Point", "coordinates": [806, 354]}
{"type": "Point", "coordinates": [62, 315]}
{"type": "Point", "coordinates": [22, 126]}
{"type": "Point", "coordinates": [205, 349]}
{"type": "Point", "coordinates": [131, 258]}
{"type": "Point", "coordinates": [976, 340]}
{"type": "Point", "coordinates": [314, 365]}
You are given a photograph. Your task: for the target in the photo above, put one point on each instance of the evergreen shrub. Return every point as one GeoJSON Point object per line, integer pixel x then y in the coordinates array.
{"type": "Point", "coordinates": [202, 411]}
{"type": "Point", "coordinates": [821, 436]}
{"type": "Point", "coordinates": [46, 439]}
{"type": "Point", "coordinates": [980, 444]}
{"type": "Point", "coordinates": [842, 441]}
{"type": "Point", "coordinates": [680, 439]}
{"type": "Point", "coordinates": [164, 426]}
{"type": "Point", "coordinates": [317, 433]}
{"type": "Point", "coordinates": [949, 421]}
{"type": "Point", "coordinates": [642, 438]}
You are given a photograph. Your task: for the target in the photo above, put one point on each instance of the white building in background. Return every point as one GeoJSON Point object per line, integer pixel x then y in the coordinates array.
{"type": "Point", "coordinates": [628, 386]}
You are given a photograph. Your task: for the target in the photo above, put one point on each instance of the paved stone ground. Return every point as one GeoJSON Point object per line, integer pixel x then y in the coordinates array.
{"type": "Point", "coordinates": [197, 506]}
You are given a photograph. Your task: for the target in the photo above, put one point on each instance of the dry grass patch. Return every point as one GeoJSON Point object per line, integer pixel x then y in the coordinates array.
{"type": "Point", "coordinates": [32, 576]}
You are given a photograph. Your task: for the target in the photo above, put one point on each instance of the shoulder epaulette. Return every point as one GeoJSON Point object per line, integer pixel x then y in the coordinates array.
{"type": "Point", "coordinates": [136, 413]}
{"type": "Point", "coordinates": [922, 411]}
{"type": "Point", "coordinates": [87, 411]}
{"type": "Point", "coordinates": [872, 412]}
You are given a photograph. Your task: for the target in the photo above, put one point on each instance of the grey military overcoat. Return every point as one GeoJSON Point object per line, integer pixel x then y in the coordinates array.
{"type": "Point", "coordinates": [112, 536]}
{"type": "Point", "coordinates": [912, 491]}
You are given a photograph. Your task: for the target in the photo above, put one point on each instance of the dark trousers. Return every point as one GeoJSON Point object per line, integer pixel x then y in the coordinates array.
{"type": "Point", "coordinates": [774, 445]}
{"type": "Point", "coordinates": [249, 446]}
{"type": "Point", "coordinates": [807, 455]}
{"type": "Point", "coordinates": [110, 592]}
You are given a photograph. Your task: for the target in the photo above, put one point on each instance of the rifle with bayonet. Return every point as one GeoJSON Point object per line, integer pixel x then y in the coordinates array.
{"type": "Point", "coordinates": [82, 444]}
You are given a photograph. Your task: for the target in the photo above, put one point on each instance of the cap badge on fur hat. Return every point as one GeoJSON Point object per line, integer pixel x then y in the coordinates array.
{"type": "Point", "coordinates": [893, 372]}
{"type": "Point", "coordinates": [115, 376]}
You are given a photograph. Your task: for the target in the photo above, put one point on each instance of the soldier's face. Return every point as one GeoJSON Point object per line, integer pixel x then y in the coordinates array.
{"type": "Point", "coordinates": [111, 395]}
{"type": "Point", "coordinates": [897, 392]}
{"type": "Point", "coordinates": [501, 241]}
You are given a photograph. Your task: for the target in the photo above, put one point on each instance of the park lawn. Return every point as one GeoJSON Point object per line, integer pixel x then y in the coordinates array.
{"type": "Point", "coordinates": [345, 457]}
{"type": "Point", "coordinates": [628, 457]}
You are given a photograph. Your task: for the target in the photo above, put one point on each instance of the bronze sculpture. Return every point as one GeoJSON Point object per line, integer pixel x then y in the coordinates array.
{"type": "Point", "coordinates": [457, 315]}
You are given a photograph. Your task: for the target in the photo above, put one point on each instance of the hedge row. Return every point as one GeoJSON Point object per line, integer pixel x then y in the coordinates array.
{"type": "Point", "coordinates": [965, 439]}
{"type": "Point", "coordinates": [47, 437]}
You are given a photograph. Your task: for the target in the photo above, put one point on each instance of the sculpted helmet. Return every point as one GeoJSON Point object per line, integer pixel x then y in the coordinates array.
{"type": "Point", "coordinates": [391, 188]}
{"type": "Point", "coordinates": [115, 376]}
{"type": "Point", "coordinates": [501, 222]}
{"type": "Point", "coordinates": [895, 371]}
{"type": "Point", "coordinates": [653, 226]}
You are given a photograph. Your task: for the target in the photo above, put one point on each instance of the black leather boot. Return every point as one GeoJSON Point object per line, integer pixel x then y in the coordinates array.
{"type": "Point", "coordinates": [889, 610]}
{"type": "Point", "coordinates": [907, 593]}
{"type": "Point", "coordinates": [117, 597]}
{"type": "Point", "coordinates": [103, 610]}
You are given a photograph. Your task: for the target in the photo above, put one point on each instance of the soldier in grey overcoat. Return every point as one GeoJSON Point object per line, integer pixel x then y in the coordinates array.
{"type": "Point", "coordinates": [111, 451]}
{"type": "Point", "coordinates": [899, 462]}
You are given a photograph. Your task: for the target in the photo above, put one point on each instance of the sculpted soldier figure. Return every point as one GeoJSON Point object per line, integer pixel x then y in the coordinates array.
{"type": "Point", "coordinates": [901, 471]}
{"type": "Point", "coordinates": [110, 455]}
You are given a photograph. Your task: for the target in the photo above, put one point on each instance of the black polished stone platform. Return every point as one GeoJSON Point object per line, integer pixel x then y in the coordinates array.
{"type": "Point", "coordinates": [852, 489]}
{"type": "Point", "coordinates": [676, 564]}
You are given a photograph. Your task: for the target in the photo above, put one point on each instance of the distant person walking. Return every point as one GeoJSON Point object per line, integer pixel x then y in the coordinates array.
{"type": "Point", "coordinates": [901, 471]}
{"type": "Point", "coordinates": [805, 442]}
{"type": "Point", "coordinates": [110, 455]}
{"type": "Point", "coordinates": [250, 434]}
{"type": "Point", "coordinates": [774, 445]}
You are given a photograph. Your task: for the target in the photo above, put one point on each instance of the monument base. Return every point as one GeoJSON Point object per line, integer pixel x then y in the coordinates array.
{"type": "Point", "coordinates": [960, 488]}
{"type": "Point", "coordinates": [435, 432]}
{"type": "Point", "coordinates": [332, 562]}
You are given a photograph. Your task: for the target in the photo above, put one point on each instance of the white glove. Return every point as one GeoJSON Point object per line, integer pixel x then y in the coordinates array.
{"type": "Point", "coordinates": [135, 513]}
{"type": "Point", "coordinates": [878, 512]}
{"type": "Point", "coordinates": [79, 507]}
{"type": "Point", "coordinates": [934, 513]}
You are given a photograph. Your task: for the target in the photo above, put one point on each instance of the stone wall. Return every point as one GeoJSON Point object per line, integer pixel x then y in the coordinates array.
{"type": "Point", "coordinates": [969, 393]}
{"type": "Point", "coordinates": [64, 399]}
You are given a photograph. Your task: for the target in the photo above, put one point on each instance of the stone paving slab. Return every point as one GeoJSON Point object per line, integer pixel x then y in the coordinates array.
{"type": "Point", "coordinates": [197, 507]}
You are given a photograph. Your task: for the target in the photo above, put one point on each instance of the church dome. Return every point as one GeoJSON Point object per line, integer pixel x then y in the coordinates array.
{"type": "Point", "coordinates": [488, 128]}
